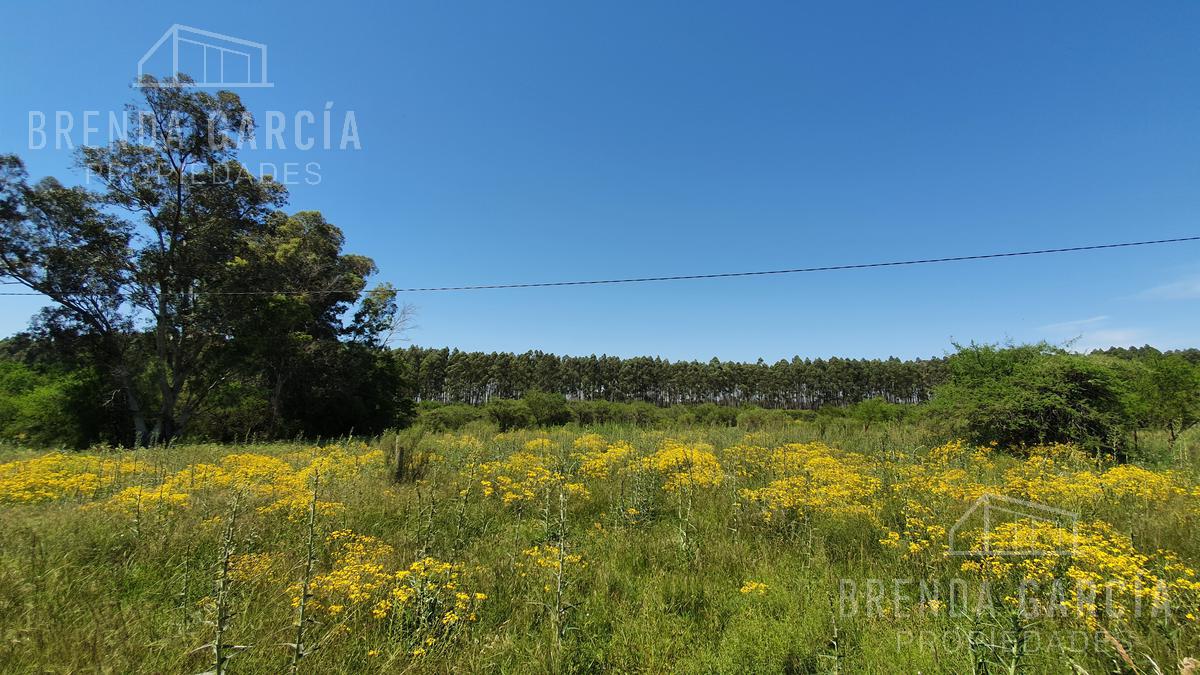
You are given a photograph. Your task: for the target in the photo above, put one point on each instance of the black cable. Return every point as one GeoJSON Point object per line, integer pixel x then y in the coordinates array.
{"type": "Point", "coordinates": [720, 275]}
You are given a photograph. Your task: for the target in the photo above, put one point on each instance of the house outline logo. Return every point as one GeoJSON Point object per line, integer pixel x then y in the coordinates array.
{"type": "Point", "coordinates": [1022, 508]}
{"type": "Point", "coordinates": [222, 58]}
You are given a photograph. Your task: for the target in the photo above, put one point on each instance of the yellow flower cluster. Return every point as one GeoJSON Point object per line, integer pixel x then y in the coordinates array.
{"type": "Point", "coordinates": [524, 476]}
{"type": "Point", "coordinates": [141, 498]}
{"type": "Point", "coordinates": [336, 463]}
{"type": "Point", "coordinates": [1092, 573]}
{"type": "Point", "coordinates": [947, 472]}
{"type": "Point", "coordinates": [598, 459]}
{"type": "Point", "coordinates": [590, 443]}
{"type": "Point", "coordinates": [270, 479]}
{"type": "Point", "coordinates": [1133, 482]}
{"type": "Point", "coordinates": [756, 461]}
{"type": "Point", "coordinates": [951, 483]}
{"type": "Point", "coordinates": [549, 563]}
{"type": "Point", "coordinates": [58, 476]}
{"type": "Point", "coordinates": [254, 567]}
{"type": "Point", "coordinates": [552, 557]}
{"type": "Point", "coordinates": [923, 538]}
{"type": "Point", "coordinates": [362, 581]}
{"type": "Point", "coordinates": [746, 460]}
{"type": "Point", "coordinates": [960, 453]}
{"type": "Point", "coordinates": [1182, 585]}
{"type": "Point", "coordinates": [461, 442]}
{"type": "Point", "coordinates": [1063, 453]}
{"type": "Point", "coordinates": [817, 480]}
{"type": "Point", "coordinates": [359, 573]}
{"type": "Point", "coordinates": [1042, 479]}
{"type": "Point", "coordinates": [519, 478]}
{"type": "Point", "coordinates": [754, 588]}
{"type": "Point", "coordinates": [685, 466]}
{"type": "Point", "coordinates": [539, 445]}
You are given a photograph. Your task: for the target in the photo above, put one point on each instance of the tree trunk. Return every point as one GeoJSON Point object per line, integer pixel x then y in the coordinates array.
{"type": "Point", "coordinates": [140, 435]}
{"type": "Point", "coordinates": [276, 403]}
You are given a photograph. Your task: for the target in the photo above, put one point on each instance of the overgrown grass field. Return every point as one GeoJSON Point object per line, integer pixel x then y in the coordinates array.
{"type": "Point", "coordinates": [794, 549]}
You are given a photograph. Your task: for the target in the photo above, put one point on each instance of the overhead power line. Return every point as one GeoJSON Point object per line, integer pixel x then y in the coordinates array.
{"type": "Point", "coordinates": [718, 275]}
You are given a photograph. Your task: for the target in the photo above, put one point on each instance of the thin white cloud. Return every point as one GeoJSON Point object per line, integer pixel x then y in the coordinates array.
{"type": "Point", "coordinates": [1184, 289]}
{"type": "Point", "coordinates": [1116, 336]}
{"type": "Point", "coordinates": [1111, 337]}
{"type": "Point", "coordinates": [1073, 326]}
{"type": "Point", "coordinates": [1084, 335]}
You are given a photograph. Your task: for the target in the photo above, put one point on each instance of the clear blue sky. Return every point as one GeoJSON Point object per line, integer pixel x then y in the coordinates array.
{"type": "Point", "coordinates": [512, 142]}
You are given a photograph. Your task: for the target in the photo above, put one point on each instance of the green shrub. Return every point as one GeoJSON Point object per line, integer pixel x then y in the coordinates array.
{"type": "Point", "coordinates": [508, 414]}
{"type": "Point", "coordinates": [547, 409]}
{"type": "Point", "coordinates": [595, 412]}
{"type": "Point", "coordinates": [450, 417]}
{"type": "Point", "coordinates": [754, 419]}
{"type": "Point", "coordinates": [715, 415]}
{"type": "Point", "coordinates": [643, 414]}
{"type": "Point", "coordinates": [1033, 394]}
{"type": "Point", "coordinates": [47, 409]}
{"type": "Point", "coordinates": [878, 411]}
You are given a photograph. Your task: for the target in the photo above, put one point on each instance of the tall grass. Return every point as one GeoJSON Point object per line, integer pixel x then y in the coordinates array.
{"type": "Point", "coordinates": [589, 573]}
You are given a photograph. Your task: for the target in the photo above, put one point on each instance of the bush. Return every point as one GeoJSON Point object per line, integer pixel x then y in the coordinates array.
{"type": "Point", "coordinates": [877, 411]}
{"type": "Point", "coordinates": [508, 414]}
{"type": "Point", "coordinates": [642, 414]}
{"type": "Point", "coordinates": [606, 412]}
{"type": "Point", "coordinates": [238, 411]}
{"type": "Point", "coordinates": [753, 419]}
{"type": "Point", "coordinates": [547, 409]}
{"type": "Point", "coordinates": [48, 409]}
{"type": "Point", "coordinates": [450, 417]}
{"type": "Point", "coordinates": [1030, 395]}
{"type": "Point", "coordinates": [715, 415]}
{"type": "Point", "coordinates": [595, 412]}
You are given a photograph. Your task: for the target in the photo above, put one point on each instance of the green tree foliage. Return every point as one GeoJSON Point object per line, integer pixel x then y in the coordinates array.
{"type": "Point", "coordinates": [449, 417]}
{"type": "Point", "coordinates": [153, 270]}
{"type": "Point", "coordinates": [871, 412]}
{"type": "Point", "coordinates": [447, 375]}
{"type": "Point", "coordinates": [875, 411]}
{"type": "Point", "coordinates": [711, 414]}
{"type": "Point", "coordinates": [1018, 396]}
{"type": "Point", "coordinates": [547, 409]}
{"type": "Point", "coordinates": [1165, 394]}
{"type": "Point", "coordinates": [508, 414]}
{"type": "Point", "coordinates": [41, 408]}
{"type": "Point", "coordinates": [597, 412]}
{"type": "Point", "coordinates": [758, 419]}
{"type": "Point", "coordinates": [1174, 386]}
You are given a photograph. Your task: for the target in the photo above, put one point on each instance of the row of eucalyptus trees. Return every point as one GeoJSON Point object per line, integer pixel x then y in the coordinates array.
{"type": "Point", "coordinates": [450, 375]}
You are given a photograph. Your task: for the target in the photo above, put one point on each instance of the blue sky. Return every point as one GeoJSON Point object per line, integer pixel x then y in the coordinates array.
{"type": "Point", "coordinates": [535, 141]}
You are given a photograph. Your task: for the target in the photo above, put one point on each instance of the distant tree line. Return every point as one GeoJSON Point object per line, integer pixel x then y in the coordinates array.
{"type": "Point", "coordinates": [1014, 396]}
{"type": "Point", "coordinates": [453, 376]}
